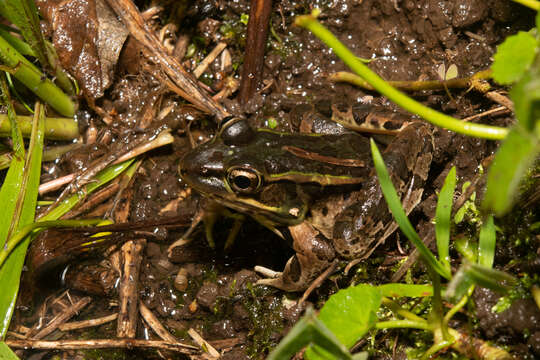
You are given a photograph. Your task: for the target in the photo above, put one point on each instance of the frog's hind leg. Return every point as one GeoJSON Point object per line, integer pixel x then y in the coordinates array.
{"type": "Point", "coordinates": [314, 254]}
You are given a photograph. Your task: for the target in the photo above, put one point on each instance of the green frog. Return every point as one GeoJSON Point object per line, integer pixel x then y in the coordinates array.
{"type": "Point", "coordinates": [320, 191]}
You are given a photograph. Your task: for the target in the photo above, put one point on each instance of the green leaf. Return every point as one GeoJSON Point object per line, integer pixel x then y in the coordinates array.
{"type": "Point", "coordinates": [469, 274]}
{"type": "Point", "coordinates": [394, 204]}
{"type": "Point", "coordinates": [309, 330]}
{"type": "Point", "coordinates": [6, 353]}
{"type": "Point", "coordinates": [442, 217]}
{"type": "Point", "coordinates": [405, 290]}
{"type": "Point", "coordinates": [512, 160]}
{"type": "Point", "coordinates": [351, 313]}
{"type": "Point", "coordinates": [526, 97]}
{"type": "Point", "coordinates": [513, 57]}
{"type": "Point", "coordinates": [22, 213]}
{"type": "Point", "coordinates": [486, 245]}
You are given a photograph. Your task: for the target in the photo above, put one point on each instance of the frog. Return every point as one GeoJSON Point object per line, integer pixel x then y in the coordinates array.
{"type": "Point", "coordinates": [319, 191]}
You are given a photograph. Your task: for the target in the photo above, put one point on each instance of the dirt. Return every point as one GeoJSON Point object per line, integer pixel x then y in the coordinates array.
{"type": "Point", "coordinates": [405, 40]}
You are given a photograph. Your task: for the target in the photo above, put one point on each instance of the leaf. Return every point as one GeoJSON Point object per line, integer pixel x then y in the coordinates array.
{"type": "Point", "coordinates": [512, 160]}
{"type": "Point", "coordinates": [513, 57]}
{"type": "Point", "coordinates": [6, 353]}
{"type": "Point", "coordinates": [351, 312]}
{"type": "Point", "coordinates": [309, 330]}
{"type": "Point", "coordinates": [24, 192]}
{"type": "Point", "coordinates": [405, 290]}
{"type": "Point", "coordinates": [486, 245]}
{"type": "Point", "coordinates": [470, 274]}
{"type": "Point", "coordinates": [394, 204]}
{"type": "Point", "coordinates": [442, 217]}
{"type": "Point", "coordinates": [451, 73]}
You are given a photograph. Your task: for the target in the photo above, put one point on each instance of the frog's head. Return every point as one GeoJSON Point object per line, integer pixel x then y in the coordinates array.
{"type": "Point", "coordinates": [234, 170]}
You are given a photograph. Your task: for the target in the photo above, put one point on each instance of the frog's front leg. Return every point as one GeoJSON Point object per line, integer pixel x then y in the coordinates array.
{"type": "Point", "coordinates": [314, 254]}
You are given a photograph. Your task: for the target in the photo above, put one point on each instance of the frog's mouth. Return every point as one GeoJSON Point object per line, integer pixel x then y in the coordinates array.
{"type": "Point", "coordinates": [277, 216]}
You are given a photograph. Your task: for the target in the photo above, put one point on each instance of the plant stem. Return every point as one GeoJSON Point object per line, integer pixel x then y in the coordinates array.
{"type": "Point", "coordinates": [399, 324]}
{"type": "Point", "coordinates": [456, 308]}
{"type": "Point", "coordinates": [436, 348]}
{"type": "Point", "coordinates": [430, 115]}
{"type": "Point", "coordinates": [55, 128]}
{"type": "Point", "coordinates": [398, 310]}
{"type": "Point", "coordinates": [35, 80]}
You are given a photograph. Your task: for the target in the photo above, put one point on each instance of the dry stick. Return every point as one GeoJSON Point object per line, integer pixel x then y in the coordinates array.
{"type": "Point", "coordinates": [61, 318]}
{"type": "Point", "coordinates": [257, 32]}
{"type": "Point", "coordinates": [498, 109]}
{"type": "Point", "coordinates": [318, 281]}
{"type": "Point", "coordinates": [129, 281]}
{"type": "Point", "coordinates": [74, 325]}
{"type": "Point", "coordinates": [500, 99]}
{"type": "Point", "coordinates": [101, 344]}
{"type": "Point", "coordinates": [154, 323]}
{"type": "Point", "coordinates": [199, 70]}
{"type": "Point", "coordinates": [203, 344]}
{"type": "Point", "coordinates": [190, 90]}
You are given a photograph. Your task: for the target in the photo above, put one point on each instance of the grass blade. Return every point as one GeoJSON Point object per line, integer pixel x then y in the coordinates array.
{"type": "Point", "coordinates": [442, 217]}
{"type": "Point", "coordinates": [35, 80]}
{"type": "Point", "coordinates": [26, 199]}
{"type": "Point", "coordinates": [512, 160]}
{"type": "Point", "coordinates": [486, 245]}
{"type": "Point", "coordinates": [6, 353]}
{"type": "Point", "coordinates": [394, 204]}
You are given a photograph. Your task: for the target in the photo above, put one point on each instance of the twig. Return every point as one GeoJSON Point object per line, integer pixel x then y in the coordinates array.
{"type": "Point", "coordinates": [318, 281]}
{"type": "Point", "coordinates": [154, 323]}
{"type": "Point", "coordinates": [486, 113]}
{"type": "Point", "coordinates": [101, 344]}
{"type": "Point", "coordinates": [500, 99]}
{"type": "Point", "coordinates": [87, 323]}
{"type": "Point", "coordinates": [60, 318]}
{"type": "Point", "coordinates": [257, 33]}
{"type": "Point", "coordinates": [204, 344]}
{"type": "Point", "coordinates": [199, 70]}
{"type": "Point", "coordinates": [190, 90]}
{"type": "Point", "coordinates": [129, 281]}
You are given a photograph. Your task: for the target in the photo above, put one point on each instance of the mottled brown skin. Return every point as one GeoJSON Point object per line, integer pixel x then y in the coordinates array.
{"type": "Point", "coordinates": [324, 189]}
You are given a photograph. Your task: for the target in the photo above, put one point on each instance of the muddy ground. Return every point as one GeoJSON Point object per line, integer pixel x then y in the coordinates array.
{"type": "Point", "coordinates": [405, 40]}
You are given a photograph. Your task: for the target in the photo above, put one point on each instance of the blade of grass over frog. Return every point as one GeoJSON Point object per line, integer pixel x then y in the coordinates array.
{"type": "Point", "coordinates": [532, 4]}
{"type": "Point", "coordinates": [6, 353]}
{"type": "Point", "coordinates": [101, 178]}
{"type": "Point", "coordinates": [10, 273]}
{"type": "Point", "coordinates": [35, 80]}
{"type": "Point", "coordinates": [512, 160]}
{"type": "Point", "coordinates": [394, 204]}
{"type": "Point", "coordinates": [442, 217]}
{"type": "Point", "coordinates": [486, 244]}
{"type": "Point", "coordinates": [24, 14]}
{"type": "Point", "coordinates": [436, 118]}
{"type": "Point", "coordinates": [23, 233]}
{"type": "Point", "coordinates": [306, 331]}
{"type": "Point", "coordinates": [55, 128]}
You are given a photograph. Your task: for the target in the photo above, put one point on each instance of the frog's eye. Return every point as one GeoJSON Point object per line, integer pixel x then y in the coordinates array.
{"type": "Point", "coordinates": [244, 180]}
{"type": "Point", "coordinates": [236, 131]}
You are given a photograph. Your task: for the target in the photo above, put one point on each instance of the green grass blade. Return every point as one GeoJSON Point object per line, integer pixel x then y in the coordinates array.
{"type": "Point", "coordinates": [35, 80]}
{"type": "Point", "coordinates": [101, 179]}
{"type": "Point", "coordinates": [6, 353]}
{"type": "Point", "coordinates": [24, 14]}
{"type": "Point", "coordinates": [17, 43]}
{"type": "Point", "coordinates": [512, 160]}
{"type": "Point", "coordinates": [442, 217]}
{"type": "Point", "coordinates": [26, 198]}
{"type": "Point", "coordinates": [394, 204]}
{"type": "Point", "coordinates": [486, 245]}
